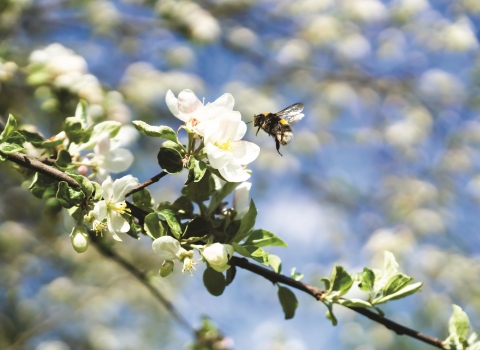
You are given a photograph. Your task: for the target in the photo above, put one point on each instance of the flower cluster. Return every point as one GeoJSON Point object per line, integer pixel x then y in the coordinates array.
{"type": "Point", "coordinates": [221, 129]}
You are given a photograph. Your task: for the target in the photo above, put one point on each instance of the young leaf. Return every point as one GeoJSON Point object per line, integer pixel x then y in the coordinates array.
{"type": "Point", "coordinates": [219, 195]}
{"type": "Point", "coordinates": [395, 283]}
{"type": "Point", "coordinates": [9, 148]}
{"type": "Point", "coordinates": [247, 223]}
{"type": "Point", "coordinates": [214, 281]}
{"type": "Point", "coordinates": [329, 313]}
{"type": "Point", "coordinates": [367, 280]}
{"type": "Point", "coordinates": [64, 159]}
{"type": "Point", "coordinates": [402, 293]}
{"type": "Point", "coordinates": [231, 273]}
{"type": "Point", "coordinates": [199, 192]}
{"type": "Point", "coordinates": [156, 131]}
{"type": "Point", "coordinates": [275, 263]}
{"type": "Point", "coordinates": [170, 159]}
{"type": "Point", "coordinates": [68, 196]}
{"type": "Point", "coordinates": [74, 129]}
{"type": "Point", "coordinates": [341, 281]}
{"type": "Point", "coordinates": [81, 112]}
{"type": "Point", "coordinates": [197, 169]}
{"type": "Point", "coordinates": [143, 199]}
{"type": "Point", "coordinates": [85, 183]}
{"type": "Point", "coordinates": [354, 303]}
{"type": "Point", "coordinates": [264, 238]}
{"type": "Point", "coordinates": [10, 128]}
{"type": "Point", "coordinates": [171, 221]}
{"type": "Point", "coordinates": [288, 300]}
{"type": "Point", "coordinates": [197, 227]}
{"type": "Point", "coordinates": [459, 324]}
{"type": "Point", "coordinates": [297, 276]}
{"type": "Point", "coordinates": [152, 226]}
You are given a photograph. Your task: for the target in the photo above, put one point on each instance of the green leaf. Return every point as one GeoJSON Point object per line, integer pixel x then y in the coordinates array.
{"type": "Point", "coordinates": [231, 273]}
{"type": "Point", "coordinates": [43, 186]}
{"type": "Point", "coordinates": [219, 196]}
{"type": "Point", "coordinates": [341, 281]}
{"type": "Point", "coordinates": [97, 191]}
{"type": "Point", "coordinates": [264, 238]}
{"type": "Point", "coordinates": [73, 127]}
{"type": "Point", "coordinates": [197, 227]}
{"type": "Point", "coordinates": [214, 281]}
{"type": "Point", "coordinates": [9, 148]}
{"type": "Point", "coordinates": [33, 137]}
{"type": "Point", "coordinates": [143, 199]}
{"type": "Point", "coordinates": [327, 283]}
{"type": "Point", "coordinates": [288, 300]}
{"type": "Point", "coordinates": [395, 283]}
{"type": "Point", "coordinates": [50, 143]}
{"type": "Point", "coordinates": [297, 276]}
{"type": "Point", "coordinates": [166, 269]}
{"type": "Point", "coordinates": [329, 313]}
{"type": "Point", "coordinates": [10, 128]}
{"type": "Point", "coordinates": [156, 131]}
{"type": "Point", "coordinates": [64, 159]}
{"type": "Point", "coordinates": [16, 138]}
{"type": "Point", "coordinates": [390, 264]}
{"type": "Point", "coordinates": [275, 263]}
{"type": "Point", "coordinates": [68, 196]}
{"type": "Point", "coordinates": [110, 126]}
{"type": "Point", "coordinates": [459, 324]}
{"type": "Point", "coordinates": [172, 222]}
{"type": "Point", "coordinates": [81, 112]}
{"type": "Point", "coordinates": [152, 226]}
{"type": "Point", "coordinates": [402, 293]}
{"type": "Point", "coordinates": [354, 303]}
{"type": "Point", "coordinates": [199, 192]}
{"type": "Point", "coordinates": [367, 280]}
{"type": "Point", "coordinates": [85, 183]}
{"type": "Point", "coordinates": [169, 158]}
{"type": "Point", "coordinates": [258, 254]}
{"type": "Point", "coordinates": [196, 171]}
{"type": "Point", "coordinates": [247, 223]}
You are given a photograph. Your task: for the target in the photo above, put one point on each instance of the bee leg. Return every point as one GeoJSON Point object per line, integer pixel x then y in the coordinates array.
{"type": "Point", "coordinates": [257, 131]}
{"type": "Point", "coordinates": [277, 143]}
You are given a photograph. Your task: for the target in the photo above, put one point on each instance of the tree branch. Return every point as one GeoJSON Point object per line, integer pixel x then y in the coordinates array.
{"type": "Point", "coordinates": [35, 164]}
{"type": "Point", "coordinates": [317, 294]}
{"type": "Point", "coordinates": [150, 181]}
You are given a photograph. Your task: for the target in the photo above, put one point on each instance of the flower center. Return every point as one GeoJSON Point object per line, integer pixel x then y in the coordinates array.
{"type": "Point", "coordinates": [118, 207]}
{"type": "Point", "coordinates": [226, 146]}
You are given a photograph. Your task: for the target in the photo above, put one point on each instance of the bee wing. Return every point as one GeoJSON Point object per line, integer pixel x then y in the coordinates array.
{"type": "Point", "coordinates": [292, 113]}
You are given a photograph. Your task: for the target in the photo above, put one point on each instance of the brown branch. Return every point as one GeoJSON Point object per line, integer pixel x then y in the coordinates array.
{"type": "Point", "coordinates": [317, 294]}
{"type": "Point", "coordinates": [150, 181]}
{"type": "Point", "coordinates": [37, 165]}
{"type": "Point", "coordinates": [143, 279]}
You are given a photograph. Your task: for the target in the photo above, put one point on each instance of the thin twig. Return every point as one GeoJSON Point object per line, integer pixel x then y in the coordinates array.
{"type": "Point", "coordinates": [140, 276]}
{"type": "Point", "coordinates": [317, 294]}
{"type": "Point", "coordinates": [150, 181]}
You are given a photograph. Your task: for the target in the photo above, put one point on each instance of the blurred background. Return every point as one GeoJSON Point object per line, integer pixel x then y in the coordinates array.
{"type": "Point", "coordinates": [385, 159]}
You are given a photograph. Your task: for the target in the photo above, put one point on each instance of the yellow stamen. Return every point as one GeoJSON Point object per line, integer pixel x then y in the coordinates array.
{"type": "Point", "coordinates": [188, 265]}
{"type": "Point", "coordinates": [225, 145]}
{"type": "Point", "coordinates": [119, 207]}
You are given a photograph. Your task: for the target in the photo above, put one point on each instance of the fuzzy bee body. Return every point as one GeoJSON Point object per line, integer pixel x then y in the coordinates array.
{"type": "Point", "coordinates": [278, 125]}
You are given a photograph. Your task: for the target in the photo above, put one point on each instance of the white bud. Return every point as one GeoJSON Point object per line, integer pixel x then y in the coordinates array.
{"type": "Point", "coordinates": [80, 239]}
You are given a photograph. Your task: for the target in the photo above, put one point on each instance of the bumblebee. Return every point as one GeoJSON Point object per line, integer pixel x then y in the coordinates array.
{"type": "Point", "coordinates": [279, 125]}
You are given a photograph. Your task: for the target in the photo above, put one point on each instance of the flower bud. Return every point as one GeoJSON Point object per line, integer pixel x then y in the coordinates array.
{"type": "Point", "coordinates": [217, 256]}
{"type": "Point", "coordinates": [80, 239]}
{"type": "Point", "coordinates": [167, 247]}
{"type": "Point", "coordinates": [166, 269]}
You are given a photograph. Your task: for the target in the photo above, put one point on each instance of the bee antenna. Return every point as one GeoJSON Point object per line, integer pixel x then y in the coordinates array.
{"type": "Point", "coordinates": [249, 122]}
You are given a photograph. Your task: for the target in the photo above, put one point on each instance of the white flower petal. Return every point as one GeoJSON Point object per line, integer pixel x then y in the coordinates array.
{"type": "Point", "coordinates": [218, 158]}
{"type": "Point", "coordinates": [107, 189]}
{"type": "Point", "coordinates": [100, 210]}
{"type": "Point", "coordinates": [217, 256]}
{"type": "Point", "coordinates": [172, 103]}
{"type": "Point", "coordinates": [188, 102]}
{"type": "Point", "coordinates": [168, 248]}
{"type": "Point", "coordinates": [241, 199]}
{"type": "Point", "coordinates": [118, 160]}
{"type": "Point", "coordinates": [117, 223]}
{"type": "Point", "coordinates": [245, 152]}
{"type": "Point", "coordinates": [241, 130]}
{"type": "Point", "coordinates": [103, 144]}
{"type": "Point", "coordinates": [234, 173]}
{"type": "Point", "coordinates": [122, 186]}
{"type": "Point", "coordinates": [225, 101]}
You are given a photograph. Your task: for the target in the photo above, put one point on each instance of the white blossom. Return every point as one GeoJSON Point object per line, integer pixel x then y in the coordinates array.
{"type": "Point", "coordinates": [217, 256]}
{"type": "Point", "coordinates": [224, 149]}
{"type": "Point", "coordinates": [189, 109]}
{"type": "Point", "coordinates": [241, 199]}
{"type": "Point", "coordinates": [169, 249]}
{"type": "Point", "coordinates": [113, 205]}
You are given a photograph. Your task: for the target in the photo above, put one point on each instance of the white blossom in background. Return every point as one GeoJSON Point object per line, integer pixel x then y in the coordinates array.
{"type": "Point", "coordinates": [241, 199]}
{"type": "Point", "coordinates": [113, 206]}
{"type": "Point", "coordinates": [109, 157]}
{"type": "Point", "coordinates": [217, 255]}
{"type": "Point", "coordinates": [189, 109]}
{"type": "Point", "coordinates": [169, 249]}
{"type": "Point", "coordinates": [225, 150]}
